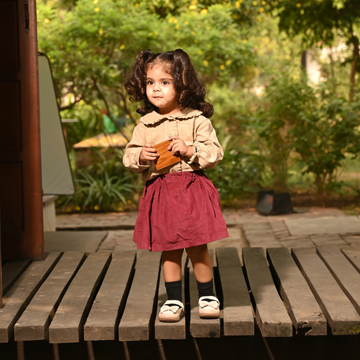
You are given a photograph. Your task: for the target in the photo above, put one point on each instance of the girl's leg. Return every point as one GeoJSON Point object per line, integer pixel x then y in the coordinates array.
{"type": "Point", "coordinates": [172, 264]}
{"type": "Point", "coordinates": [209, 305]}
{"type": "Point", "coordinates": [200, 258]}
{"type": "Point", "coordinates": [172, 273]}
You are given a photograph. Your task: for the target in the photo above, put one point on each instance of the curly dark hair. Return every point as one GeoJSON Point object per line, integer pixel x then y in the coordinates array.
{"type": "Point", "coordinates": [187, 84]}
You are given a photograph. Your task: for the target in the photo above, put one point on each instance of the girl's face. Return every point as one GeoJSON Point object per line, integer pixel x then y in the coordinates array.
{"type": "Point", "coordinates": [160, 89]}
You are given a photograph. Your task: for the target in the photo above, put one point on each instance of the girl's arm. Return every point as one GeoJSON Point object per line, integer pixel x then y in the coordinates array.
{"type": "Point", "coordinates": [207, 151]}
{"type": "Point", "coordinates": [131, 158]}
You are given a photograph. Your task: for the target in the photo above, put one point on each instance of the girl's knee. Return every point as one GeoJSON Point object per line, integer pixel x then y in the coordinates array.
{"type": "Point", "coordinates": [197, 249]}
{"type": "Point", "coordinates": [172, 254]}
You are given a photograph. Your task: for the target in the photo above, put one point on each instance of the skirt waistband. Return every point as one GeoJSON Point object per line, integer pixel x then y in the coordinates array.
{"type": "Point", "coordinates": [174, 177]}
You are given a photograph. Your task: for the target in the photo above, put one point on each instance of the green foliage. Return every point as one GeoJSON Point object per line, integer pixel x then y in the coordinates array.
{"type": "Point", "coordinates": [92, 46]}
{"type": "Point", "coordinates": [238, 175]}
{"type": "Point", "coordinates": [240, 172]}
{"type": "Point", "coordinates": [214, 43]}
{"type": "Point", "coordinates": [310, 125]}
{"type": "Point", "coordinates": [104, 186]}
{"type": "Point", "coordinates": [317, 20]}
{"type": "Point", "coordinates": [243, 12]}
{"type": "Point", "coordinates": [102, 193]}
{"type": "Point", "coordinates": [320, 22]}
{"type": "Point", "coordinates": [89, 124]}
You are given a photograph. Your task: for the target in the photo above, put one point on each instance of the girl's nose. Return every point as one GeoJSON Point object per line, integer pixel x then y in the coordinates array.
{"type": "Point", "coordinates": [156, 87]}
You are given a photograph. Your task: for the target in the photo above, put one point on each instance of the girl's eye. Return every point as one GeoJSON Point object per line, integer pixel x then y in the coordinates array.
{"type": "Point", "coordinates": [165, 82]}
{"type": "Point", "coordinates": [150, 82]}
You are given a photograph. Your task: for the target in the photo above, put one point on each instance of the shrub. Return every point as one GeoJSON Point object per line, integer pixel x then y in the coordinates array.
{"type": "Point", "coordinates": [310, 125]}
{"type": "Point", "coordinates": [237, 175]}
{"type": "Point", "coordinates": [104, 186]}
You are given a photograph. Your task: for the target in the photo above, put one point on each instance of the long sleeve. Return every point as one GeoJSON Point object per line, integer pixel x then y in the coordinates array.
{"type": "Point", "coordinates": [133, 149]}
{"type": "Point", "coordinates": [207, 149]}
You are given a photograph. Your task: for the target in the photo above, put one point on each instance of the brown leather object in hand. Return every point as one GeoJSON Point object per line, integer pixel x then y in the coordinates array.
{"type": "Point", "coordinates": [166, 156]}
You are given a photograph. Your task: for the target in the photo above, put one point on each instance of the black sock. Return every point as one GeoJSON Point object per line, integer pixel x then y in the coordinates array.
{"type": "Point", "coordinates": [173, 290]}
{"type": "Point", "coordinates": [205, 289]}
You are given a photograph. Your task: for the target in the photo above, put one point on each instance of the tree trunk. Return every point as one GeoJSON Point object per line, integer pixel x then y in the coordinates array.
{"type": "Point", "coordinates": [355, 41]}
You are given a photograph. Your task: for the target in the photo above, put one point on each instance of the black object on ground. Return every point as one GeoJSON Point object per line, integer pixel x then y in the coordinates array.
{"type": "Point", "coordinates": [270, 203]}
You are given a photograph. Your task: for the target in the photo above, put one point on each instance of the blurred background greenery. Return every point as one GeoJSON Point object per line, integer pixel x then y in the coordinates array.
{"type": "Point", "coordinates": [279, 129]}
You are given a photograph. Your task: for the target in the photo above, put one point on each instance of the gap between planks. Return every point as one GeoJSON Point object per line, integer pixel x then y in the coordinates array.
{"type": "Point", "coordinates": [103, 320]}
{"type": "Point", "coordinates": [271, 315]}
{"type": "Point", "coordinates": [67, 325]}
{"type": "Point", "coordinates": [34, 322]}
{"type": "Point", "coordinates": [337, 308]}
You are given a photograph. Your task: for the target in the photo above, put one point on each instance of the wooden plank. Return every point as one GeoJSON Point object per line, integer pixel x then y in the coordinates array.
{"type": "Point", "coordinates": [337, 308]}
{"type": "Point", "coordinates": [301, 305]}
{"type": "Point", "coordinates": [353, 256]}
{"type": "Point", "coordinates": [271, 314]}
{"type": "Point", "coordinates": [344, 273]}
{"type": "Point", "coordinates": [34, 322]}
{"type": "Point", "coordinates": [168, 330]}
{"type": "Point", "coordinates": [20, 294]}
{"type": "Point", "coordinates": [11, 272]}
{"type": "Point", "coordinates": [200, 328]}
{"type": "Point", "coordinates": [69, 319]}
{"type": "Point", "coordinates": [238, 312]}
{"type": "Point", "coordinates": [109, 304]}
{"type": "Point", "coordinates": [137, 317]}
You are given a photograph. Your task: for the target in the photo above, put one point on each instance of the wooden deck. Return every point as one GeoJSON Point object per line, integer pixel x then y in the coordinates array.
{"type": "Point", "coordinates": [89, 299]}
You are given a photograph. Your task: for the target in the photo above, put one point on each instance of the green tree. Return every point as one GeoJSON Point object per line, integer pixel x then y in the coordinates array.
{"type": "Point", "coordinates": [92, 44]}
{"type": "Point", "coordinates": [321, 21]}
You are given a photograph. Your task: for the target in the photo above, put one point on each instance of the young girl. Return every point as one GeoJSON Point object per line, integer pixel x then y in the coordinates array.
{"type": "Point", "coordinates": [180, 206]}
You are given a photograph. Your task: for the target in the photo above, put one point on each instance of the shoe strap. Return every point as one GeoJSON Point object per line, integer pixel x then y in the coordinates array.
{"type": "Point", "coordinates": [174, 302]}
{"type": "Point", "coordinates": [211, 298]}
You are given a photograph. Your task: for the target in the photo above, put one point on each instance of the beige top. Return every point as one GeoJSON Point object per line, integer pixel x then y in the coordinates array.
{"type": "Point", "coordinates": [189, 125]}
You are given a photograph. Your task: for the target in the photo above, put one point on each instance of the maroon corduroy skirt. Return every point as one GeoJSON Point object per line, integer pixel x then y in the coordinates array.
{"type": "Point", "coordinates": [177, 211]}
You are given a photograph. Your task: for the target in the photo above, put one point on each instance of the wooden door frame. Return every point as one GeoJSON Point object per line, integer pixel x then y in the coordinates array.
{"type": "Point", "coordinates": [26, 241]}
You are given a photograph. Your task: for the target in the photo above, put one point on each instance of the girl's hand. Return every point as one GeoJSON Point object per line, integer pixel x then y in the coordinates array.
{"type": "Point", "coordinates": [148, 153]}
{"type": "Point", "coordinates": [178, 146]}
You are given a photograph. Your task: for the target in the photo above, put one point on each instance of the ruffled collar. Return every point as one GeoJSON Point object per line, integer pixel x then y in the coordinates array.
{"type": "Point", "coordinates": [154, 117]}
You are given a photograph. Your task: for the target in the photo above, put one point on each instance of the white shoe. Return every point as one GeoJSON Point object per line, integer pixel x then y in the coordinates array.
{"type": "Point", "coordinates": [171, 311]}
{"type": "Point", "coordinates": [209, 309]}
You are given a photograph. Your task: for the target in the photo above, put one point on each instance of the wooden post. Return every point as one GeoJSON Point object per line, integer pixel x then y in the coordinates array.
{"type": "Point", "coordinates": [20, 165]}
{"type": "Point", "coordinates": [1, 291]}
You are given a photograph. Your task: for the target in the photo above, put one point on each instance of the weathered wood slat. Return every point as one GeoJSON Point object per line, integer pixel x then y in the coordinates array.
{"type": "Point", "coordinates": [344, 273]}
{"type": "Point", "coordinates": [340, 313]}
{"type": "Point", "coordinates": [135, 322]}
{"type": "Point", "coordinates": [200, 328]}
{"type": "Point", "coordinates": [302, 307]}
{"type": "Point", "coordinates": [22, 291]}
{"type": "Point", "coordinates": [238, 312]}
{"type": "Point", "coordinates": [168, 330]}
{"type": "Point", "coordinates": [353, 256]}
{"type": "Point", "coordinates": [271, 314]}
{"type": "Point", "coordinates": [11, 272]}
{"type": "Point", "coordinates": [69, 319]}
{"type": "Point", "coordinates": [108, 306]}
{"type": "Point", "coordinates": [34, 322]}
